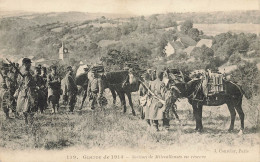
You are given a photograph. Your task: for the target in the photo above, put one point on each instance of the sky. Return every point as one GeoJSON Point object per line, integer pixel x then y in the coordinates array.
{"type": "Point", "coordinates": [137, 7]}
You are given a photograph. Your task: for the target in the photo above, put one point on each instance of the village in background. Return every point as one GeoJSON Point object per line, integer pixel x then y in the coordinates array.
{"type": "Point", "coordinates": [190, 41]}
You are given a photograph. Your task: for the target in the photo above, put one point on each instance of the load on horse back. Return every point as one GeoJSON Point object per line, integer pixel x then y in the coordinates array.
{"type": "Point", "coordinates": [213, 90]}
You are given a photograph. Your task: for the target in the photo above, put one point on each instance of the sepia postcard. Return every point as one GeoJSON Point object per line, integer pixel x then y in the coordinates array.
{"type": "Point", "coordinates": [129, 80]}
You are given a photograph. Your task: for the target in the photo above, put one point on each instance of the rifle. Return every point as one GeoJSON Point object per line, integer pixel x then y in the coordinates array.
{"type": "Point", "coordinates": [149, 91]}
{"type": "Point", "coordinates": [13, 65]}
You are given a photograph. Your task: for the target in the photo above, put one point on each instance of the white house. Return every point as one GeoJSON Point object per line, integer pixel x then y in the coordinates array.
{"type": "Point", "coordinates": [169, 50]}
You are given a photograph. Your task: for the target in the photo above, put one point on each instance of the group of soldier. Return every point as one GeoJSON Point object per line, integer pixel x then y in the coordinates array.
{"type": "Point", "coordinates": [25, 92]}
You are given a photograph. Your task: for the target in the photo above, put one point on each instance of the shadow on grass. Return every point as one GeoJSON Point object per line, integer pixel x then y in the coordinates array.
{"type": "Point", "coordinates": [60, 144]}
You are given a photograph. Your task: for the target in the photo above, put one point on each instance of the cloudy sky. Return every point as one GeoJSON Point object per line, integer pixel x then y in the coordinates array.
{"type": "Point", "coordinates": [139, 7]}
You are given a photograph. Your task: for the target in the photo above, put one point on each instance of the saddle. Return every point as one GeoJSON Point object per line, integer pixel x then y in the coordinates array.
{"type": "Point", "coordinates": [212, 84]}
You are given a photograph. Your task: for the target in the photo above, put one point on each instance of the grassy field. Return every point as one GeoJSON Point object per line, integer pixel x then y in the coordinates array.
{"type": "Point", "coordinates": [111, 129]}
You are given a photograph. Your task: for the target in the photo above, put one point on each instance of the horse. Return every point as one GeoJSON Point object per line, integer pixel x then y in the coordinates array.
{"type": "Point", "coordinates": [232, 97]}
{"type": "Point", "coordinates": [82, 82]}
{"type": "Point", "coordinates": [123, 83]}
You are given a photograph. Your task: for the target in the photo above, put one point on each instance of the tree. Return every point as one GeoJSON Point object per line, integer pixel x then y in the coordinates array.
{"type": "Point", "coordinates": [186, 26]}
{"type": "Point", "coordinates": [194, 34]}
{"type": "Point", "coordinates": [202, 53]}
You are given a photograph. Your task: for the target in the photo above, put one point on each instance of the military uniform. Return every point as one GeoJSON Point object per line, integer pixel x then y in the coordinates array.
{"type": "Point", "coordinates": [27, 92]}
{"type": "Point", "coordinates": [95, 89]}
{"type": "Point", "coordinates": [44, 77]}
{"type": "Point", "coordinates": [4, 93]}
{"type": "Point", "coordinates": [54, 90]}
{"type": "Point", "coordinates": [143, 93]}
{"type": "Point", "coordinates": [40, 86]}
{"type": "Point", "coordinates": [70, 89]}
{"type": "Point", "coordinates": [155, 110]}
{"type": "Point", "coordinates": [12, 86]}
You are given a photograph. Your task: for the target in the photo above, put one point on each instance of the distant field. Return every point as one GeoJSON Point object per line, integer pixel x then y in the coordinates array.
{"type": "Point", "coordinates": [214, 29]}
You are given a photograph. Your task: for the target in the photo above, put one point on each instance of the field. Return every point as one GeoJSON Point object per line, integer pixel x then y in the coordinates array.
{"type": "Point", "coordinates": [215, 29]}
{"type": "Point", "coordinates": [112, 131]}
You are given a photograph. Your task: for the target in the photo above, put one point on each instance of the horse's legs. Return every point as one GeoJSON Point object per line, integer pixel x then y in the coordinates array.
{"type": "Point", "coordinates": [114, 95]}
{"type": "Point", "coordinates": [130, 102]}
{"type": "Point", "coordinates": [122, 98]}
{"type": "Point", "coordinates": [241, 114]}
{"type": "Point", "coordinates": [83, 99]}
{"type": "Point", "coordinates": [199, 110]}
{"type": "Point", "coordinates": [232, 111]}
{"type": "Point", "coordinates": [195, 113]}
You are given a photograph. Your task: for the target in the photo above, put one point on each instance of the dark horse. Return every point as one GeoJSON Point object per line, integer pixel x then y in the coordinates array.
{"type": "Point", "coordinates": [117, 82]}
{"type": "Point", "coordinates": [232, 96]}
{"type": "Point", "coordinates": [123, 84]}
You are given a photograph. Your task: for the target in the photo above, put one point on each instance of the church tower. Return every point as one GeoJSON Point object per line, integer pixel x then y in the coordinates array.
{"type": "Point", "coordinates": [64, 54]}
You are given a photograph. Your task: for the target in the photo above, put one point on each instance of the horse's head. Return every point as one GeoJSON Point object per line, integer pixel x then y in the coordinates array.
{"type": "Point", "coordinates": [176, 81]}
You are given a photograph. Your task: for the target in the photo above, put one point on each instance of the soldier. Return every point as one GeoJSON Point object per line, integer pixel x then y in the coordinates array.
{"type": "Point", "coordinates": [54, 89]}
{"type": "Point", "coordinates": [40, 87]}
{"type": "Point", "coordinates": [70, 88]}
{"type": "Point", "coordinates": [4, 90]}
{"type": "Point", "coordinates": [44, 77]}
{"type": "Point", "coordinates": [155, 109]}
{"type": "Point", "coordinates": [95, 88]}
{"type": "Point", "coordinates": [143, 93]}
{"type": "Point", "coordinates": [12, 85]}
{"type": "Point", "coordinates": [27, 92]}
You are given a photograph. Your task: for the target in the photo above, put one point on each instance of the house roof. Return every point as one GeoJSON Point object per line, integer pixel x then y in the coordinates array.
{"type": "Point", "coordinates": [206, 42]}
{"type": "Point", "coordinates": [177, 45]}
{"type": "Point", "coordinates": [188, 41]}
{"type": "Point", "coordinates": [189, 49]}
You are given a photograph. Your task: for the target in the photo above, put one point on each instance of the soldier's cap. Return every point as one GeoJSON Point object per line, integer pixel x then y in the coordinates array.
{"type": "Point", "coordinates": [39, 66]}
{"type": "Point", "coordinates": [26, 61]}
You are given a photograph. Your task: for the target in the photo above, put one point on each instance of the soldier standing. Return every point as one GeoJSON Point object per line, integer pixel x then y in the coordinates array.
{"type": "Point", "coordinates": [12, 85]}
{"type": "Point", "coordinates": [40, 88]}
{"type": "Point", "coordinates": [143, 93]}
{"type": "Point", "coordinates": [4, 90]}
{"type": "Point", "coordinates": [44, 77]}
{"type": "Point", "coordinates": [95, 88]}
{"type": "Point", "coordinates": [27, 92]}
{"type": "Point", "coordinates": [155, 109]}
{"type": "Point", "coordinates": [70, 88]}
{"type": "Point", "coordinates": [54, 89]}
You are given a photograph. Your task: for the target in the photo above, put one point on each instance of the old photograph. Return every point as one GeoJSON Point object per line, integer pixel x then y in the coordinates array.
{"type": "Point", "coordinates": [129, 80]}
